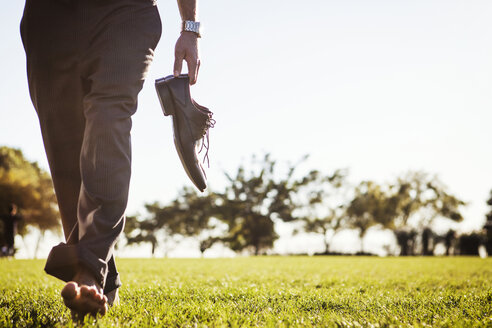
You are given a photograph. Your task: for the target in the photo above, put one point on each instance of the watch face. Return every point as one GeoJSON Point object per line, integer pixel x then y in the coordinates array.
{"type": "Point", "coordinates": [191, 26]}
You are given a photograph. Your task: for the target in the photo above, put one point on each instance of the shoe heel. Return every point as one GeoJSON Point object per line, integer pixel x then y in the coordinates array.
{"type": "Point", "coordinates": [165, 98]}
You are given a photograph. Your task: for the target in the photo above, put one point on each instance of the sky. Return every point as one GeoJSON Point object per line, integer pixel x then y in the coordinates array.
{"type": "Point", "coordinates": [379, 87]}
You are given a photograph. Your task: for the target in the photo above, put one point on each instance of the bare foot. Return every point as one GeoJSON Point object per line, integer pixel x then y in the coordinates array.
{"type": "Point", "coordinates": [113, 298]}
{"type": "Point", "coordinates": [84, 296]}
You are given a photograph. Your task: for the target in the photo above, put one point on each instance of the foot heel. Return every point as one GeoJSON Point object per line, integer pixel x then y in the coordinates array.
{"type": "Point", "coordinates": [165, 98]}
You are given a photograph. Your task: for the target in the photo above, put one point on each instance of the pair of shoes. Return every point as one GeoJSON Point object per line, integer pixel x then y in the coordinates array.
{"type": "Point", "coordinates": [191, 123]}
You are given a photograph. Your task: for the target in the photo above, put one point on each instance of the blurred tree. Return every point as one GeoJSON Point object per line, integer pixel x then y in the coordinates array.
{"type": "Point", "coordinates": [193, 213]}
{"type": "Point", "coordinates": [406, 240]}
{"type": "Point", "coordinates": [333, 222]}
{"type": "Point", "coordinates": [408, 206]}
{"type": "Point", "coordinates": [488, 227]}
{"type": "Point", "coordinates": [449, 240]}
{"type": "Point", "coordinates": [207, 243]}
{"type": "Point", "coordinates": [29, 187]}
{"type": "Point", "coordinates": [421, 199]}
{"type": "Point", "coordinates": [325, 206]}
{"type": "Point", "coordinates": [427, 242]}
{"type": "Point", "coordinates": [468, 244]}
{"type": "Point", "coordinates": [187, 215]}
{"type": "Point", "coordinates": [141, 231]}
{"type": "Point", "coordinates": [368, 207]}
{"type": "Point", "coordinates": [158, 227]}
{"type": "Point", "coordinates": [253, 201]}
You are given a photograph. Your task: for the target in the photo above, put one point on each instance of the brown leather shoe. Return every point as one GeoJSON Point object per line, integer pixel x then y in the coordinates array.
{"type": "Point", "coordinates": [190, 123]}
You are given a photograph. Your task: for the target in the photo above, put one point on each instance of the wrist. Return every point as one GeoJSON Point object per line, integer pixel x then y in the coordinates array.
{"type": "Point", "coordinates": [190, 34]}
{"type": "Point", "coordinates": [191, 27]}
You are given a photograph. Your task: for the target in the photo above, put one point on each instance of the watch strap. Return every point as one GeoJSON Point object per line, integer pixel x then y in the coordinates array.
{"type": "Point", "coordinates": [191, 26]}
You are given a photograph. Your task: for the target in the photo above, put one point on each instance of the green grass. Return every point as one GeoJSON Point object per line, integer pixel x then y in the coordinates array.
{"type": "Point", "coordinates": [267, 291]}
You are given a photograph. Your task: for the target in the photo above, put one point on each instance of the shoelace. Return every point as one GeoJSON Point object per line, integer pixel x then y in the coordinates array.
{"type": "Point", "coordinates": [210, 123]}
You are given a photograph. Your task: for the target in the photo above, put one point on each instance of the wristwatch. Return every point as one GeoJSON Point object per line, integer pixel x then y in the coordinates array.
{"type": "Point", "coordinates": [191, 26]}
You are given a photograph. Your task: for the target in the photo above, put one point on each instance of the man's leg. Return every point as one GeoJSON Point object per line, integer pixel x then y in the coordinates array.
{"type": "Point", "coordinates": [113, 65]}
{"type": "Point", "coordinates": [56, 90]}
{"type": "Point", "coordinates": [114, 46]}
{"type": "Point", "coordinates": [56, 93]}
{"type": "Point", "coordinates": [53, 52]}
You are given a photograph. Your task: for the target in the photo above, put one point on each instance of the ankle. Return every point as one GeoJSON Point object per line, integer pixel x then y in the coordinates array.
{"type": "Point", "coordinates": [85, 277]}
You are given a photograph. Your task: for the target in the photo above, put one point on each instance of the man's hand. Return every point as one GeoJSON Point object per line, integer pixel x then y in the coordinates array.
{"type": "Point", "coordinates": [187, 49]}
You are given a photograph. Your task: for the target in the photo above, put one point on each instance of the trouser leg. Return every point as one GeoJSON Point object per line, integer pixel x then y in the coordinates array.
{"type": "Point", "coordinates": [114, 65]}
{"type": "Point", "coordinates": [57, 95]}
{"type": "Point", "coordinates": [101, 56]}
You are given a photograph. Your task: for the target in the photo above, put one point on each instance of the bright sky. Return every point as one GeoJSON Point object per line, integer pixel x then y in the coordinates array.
{"type": "Point", "coordinates": [380, 87]}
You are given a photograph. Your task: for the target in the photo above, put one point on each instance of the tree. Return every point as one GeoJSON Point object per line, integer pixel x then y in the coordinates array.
{"type": "Point", "coordinates": [449, 239]}
{"type": "Point", "coordinates": [187, 215]}
{"type": "Point", "coordinates": [422, 198]}
{"type": "Point", "coordinates": [193, 213]}
{"type": "Point", "coordinates": [468, 244]}
{"type": "Point", "coordinates": [414, 202]}
{"type": "Point", "coordinates": [367, 208]}
{"type": "Point", "coordinates": [141, 231]}
{"type": "Point", "coordinates": [407, 206]}
{"type": "Point", "coordinates": [158, 227]}
{"type": "Point", "coordinates": [332, 222]}
{"type": "Point", "coordinates": [428, 237]}
{"type": "Point", "coordinates": [25, 184]}
{"type": "Point", "coordinates": [254, 200]}
{"type": "Point", "coordinates": [325, 206]}
{"type": "Point", "coordinates": [406, 240]}
{"type": "Point", "coordinates": [488, 227]}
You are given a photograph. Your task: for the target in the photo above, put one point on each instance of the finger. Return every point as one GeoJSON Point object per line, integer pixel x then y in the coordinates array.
{"type": "Point", "coordinates": [192, 70]}
{"type": "Point", "coordinates": [197, 69]}
{"type": "Point", "coordinates": [178, 64]}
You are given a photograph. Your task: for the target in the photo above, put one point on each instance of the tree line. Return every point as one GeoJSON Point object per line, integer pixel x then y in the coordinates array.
{"type": "Point", "coordinates": [243, 215]}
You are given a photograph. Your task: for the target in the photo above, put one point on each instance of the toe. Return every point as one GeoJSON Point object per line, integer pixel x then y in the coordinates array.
{"type": "Point", "coordinates": [70, 290]}
{"type": "Point", "coordinates": [92, 292]}
{"type": "Point", "coordinates": [85, 291]}
{"type": "Point", "coordinates": [99, 297]}
{"type": "Point", "coordinates": [103, 300]}
{"type": "Point", "coordinates": [104, 309]}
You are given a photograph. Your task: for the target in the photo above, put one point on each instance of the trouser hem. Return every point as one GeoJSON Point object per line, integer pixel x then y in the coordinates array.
{"type": "Point", "coordinates": [64, 261]}
{"type": "Point", "coordinates": [112, 283]}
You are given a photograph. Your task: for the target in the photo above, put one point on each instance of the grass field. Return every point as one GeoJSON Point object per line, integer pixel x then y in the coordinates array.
{"type": "Point", "coordinates": [267, 291]}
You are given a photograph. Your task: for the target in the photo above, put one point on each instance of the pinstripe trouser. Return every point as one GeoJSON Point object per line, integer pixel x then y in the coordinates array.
{"type": "Point", "coordinates": [86, 62]}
